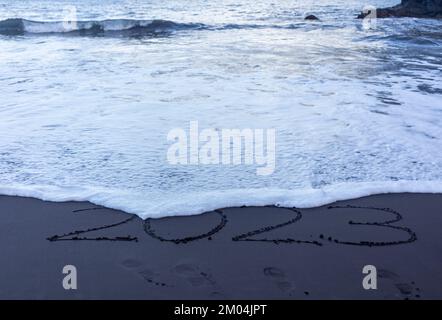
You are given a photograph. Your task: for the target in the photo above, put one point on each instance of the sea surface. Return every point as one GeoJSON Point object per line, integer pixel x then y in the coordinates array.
{"type": "Point", "coordinates": [86, 107]}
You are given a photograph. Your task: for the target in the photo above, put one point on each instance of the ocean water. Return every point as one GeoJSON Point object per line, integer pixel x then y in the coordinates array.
{"type": "Point", "coordinates": [85, 112]}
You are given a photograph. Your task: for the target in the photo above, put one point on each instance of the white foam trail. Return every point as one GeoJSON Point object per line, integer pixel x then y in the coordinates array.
{"type": "Point", "coordinates": [201, 202]}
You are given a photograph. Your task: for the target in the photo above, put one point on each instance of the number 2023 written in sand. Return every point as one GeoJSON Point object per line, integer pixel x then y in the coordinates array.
{"type": "Point", "coordinates": [295, 216]}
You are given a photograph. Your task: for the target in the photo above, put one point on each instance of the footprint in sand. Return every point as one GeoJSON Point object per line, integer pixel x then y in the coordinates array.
{"type": "Point", "coordinates": [407, 290]}
{"type": "Point", "coordinates": [131, 264]}
{"type": "Point", "coordinates": [387, 274]}
{"type": "Point", "coordinates": [148, 275]}
{"type": "Point", "coordinates": [198, 278]}
{"type": "Point", "coordinates": [280, 279]}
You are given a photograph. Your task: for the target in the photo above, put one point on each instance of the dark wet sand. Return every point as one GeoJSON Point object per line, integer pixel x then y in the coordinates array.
{"type": "Point", "coordinates": [235, 253]}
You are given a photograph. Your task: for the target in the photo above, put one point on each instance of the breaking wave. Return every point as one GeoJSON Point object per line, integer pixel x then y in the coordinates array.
{"type": "Point", "coordinates": [128, 27]}
{"type": "Point", "coordinates": [104, 27]}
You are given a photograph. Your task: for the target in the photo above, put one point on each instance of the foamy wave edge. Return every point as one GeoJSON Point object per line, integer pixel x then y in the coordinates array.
{"type": "Point", "coordinates": [19, 26]}
{"type": "Point", "coordinates": [200, 202]}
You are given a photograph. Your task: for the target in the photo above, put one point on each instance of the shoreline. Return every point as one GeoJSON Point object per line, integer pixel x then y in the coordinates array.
{"type": "Point", "coordinates": [231, 253]}
{"type": "Point", "coordinates": [202, 202]}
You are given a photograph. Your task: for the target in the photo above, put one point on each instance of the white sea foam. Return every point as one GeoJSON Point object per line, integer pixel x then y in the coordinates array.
{"type": "Point", "coordinates": [201, 202]}
{"type": "Point", "coordinates": [356, 112]}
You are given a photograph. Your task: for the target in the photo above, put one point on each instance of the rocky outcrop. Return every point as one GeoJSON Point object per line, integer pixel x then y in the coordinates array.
{"type": "Point", "coordinates": [312, 17]}
{"type": "Point", "coordinates": [410, 8]}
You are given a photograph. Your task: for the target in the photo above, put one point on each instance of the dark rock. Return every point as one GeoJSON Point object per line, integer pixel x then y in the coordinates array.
{"type": "Point", "coordinates": [410, 8]}
{"type": "Point", "coordinates": [311, 17]}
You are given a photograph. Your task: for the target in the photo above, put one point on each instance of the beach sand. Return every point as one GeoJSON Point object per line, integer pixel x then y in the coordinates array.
{"type": "Point", "coordinates": [234, 253]}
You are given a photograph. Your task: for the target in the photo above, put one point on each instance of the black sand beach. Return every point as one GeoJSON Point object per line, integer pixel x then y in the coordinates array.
{"type": "Point", "coordinates": [234, 253]}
